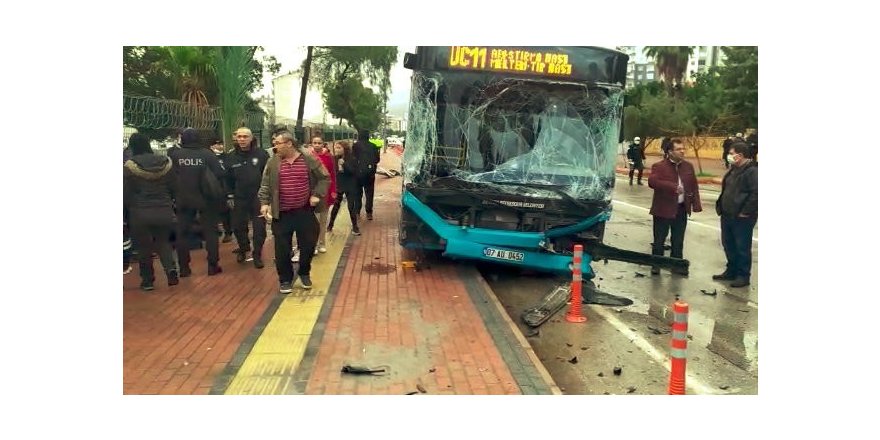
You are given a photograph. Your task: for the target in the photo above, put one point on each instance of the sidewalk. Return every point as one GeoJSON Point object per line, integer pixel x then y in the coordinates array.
{"type": "Point", "coordinates": [711, 166]}
{"type": "Point", "coordinates": [439, 330]}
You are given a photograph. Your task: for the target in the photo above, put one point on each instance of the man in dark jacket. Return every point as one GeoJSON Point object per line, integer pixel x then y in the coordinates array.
{"type": "Point", "coordinates": [367, 156]}
{"type": "Point", "coordinates": [738, 207]}
{"type": "Point", "coordinates": [148, 191]}
{"type": "Point", "coordinates": [244, 168]}
{"type": "Point", "coordinates": [198, 173]}
{"type": "Point", "coordinates": [676, 196]}
{"type": "Point", "coordinates": [636, 156]}
{"type": "Point", "coordinates": [293, 184]}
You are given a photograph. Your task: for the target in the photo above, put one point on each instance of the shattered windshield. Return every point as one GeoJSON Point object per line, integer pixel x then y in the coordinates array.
{"type": "Point", "coordinates": [510, 132]}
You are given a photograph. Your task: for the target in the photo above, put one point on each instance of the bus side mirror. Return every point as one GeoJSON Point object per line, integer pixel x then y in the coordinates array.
{"type": "Point", "coordinates": [409, 60]}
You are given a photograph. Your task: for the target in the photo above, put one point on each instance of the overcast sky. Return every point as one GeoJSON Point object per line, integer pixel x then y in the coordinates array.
{"type": "Point", "coordinates": [291, 58]}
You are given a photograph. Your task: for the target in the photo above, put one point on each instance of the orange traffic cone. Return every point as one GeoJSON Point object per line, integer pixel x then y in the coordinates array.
{"type": "Point", "coordinates": [679, 348]}
{"type": "Point", "coordinates": [574, 312]}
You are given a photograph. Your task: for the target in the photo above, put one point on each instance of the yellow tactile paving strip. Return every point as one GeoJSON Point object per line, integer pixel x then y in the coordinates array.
{"type": "Point", "coordinates": [272, 362]}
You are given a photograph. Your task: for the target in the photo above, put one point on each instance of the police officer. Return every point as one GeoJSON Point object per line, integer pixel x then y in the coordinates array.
{"type": "Point", "coordinates": [200, 175]}
{"type": "Point", "coordinates": [636, 157]}
{"type": "Point", "coordinates": [225, 212]}
{"type": "Point", "coordinates": [244, 167]}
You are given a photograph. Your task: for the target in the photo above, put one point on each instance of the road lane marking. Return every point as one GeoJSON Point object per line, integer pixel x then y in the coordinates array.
{"type": "Point", "coordinates": [659, 357]}
{"type": "Point", "coordinates": [689, 221]}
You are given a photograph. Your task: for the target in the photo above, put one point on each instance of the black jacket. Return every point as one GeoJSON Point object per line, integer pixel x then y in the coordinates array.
{"type": "Point", "coordinates": [345, 179]}
{"type": "Point", "coordinates": [149, 187]}
{"type": "Point", "coordinates": [188, 163]}
{"type": "Point", "coordinates": [367, 157]}
{"type": "Point", "coordinates": [636, 155]}
{"type": "Point", "coordinates": [739, 191]}
{"type": "Point", "coordinates": [244, 172]}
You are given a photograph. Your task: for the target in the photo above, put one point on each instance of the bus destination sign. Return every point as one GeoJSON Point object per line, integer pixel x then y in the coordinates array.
{"type": "Point", "coordinates": [510, 60]}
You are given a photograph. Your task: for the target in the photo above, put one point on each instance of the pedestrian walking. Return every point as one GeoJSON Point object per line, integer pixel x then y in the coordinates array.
{"type": "Point", "coordinates": [367, 157]}
{"type": "Point", "coordinates": [346, 181]}
{"type": "Point", "coordinates": [293, 184]}
{"type": "Point", "coordinates": [636, 158]}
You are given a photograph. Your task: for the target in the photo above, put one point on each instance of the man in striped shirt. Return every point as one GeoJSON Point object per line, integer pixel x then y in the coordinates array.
{"type": "Point", "coordinates": [293, 184]}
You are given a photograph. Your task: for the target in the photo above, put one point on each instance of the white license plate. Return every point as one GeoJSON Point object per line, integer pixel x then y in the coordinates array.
{"type": "Point", "coordinates": [501, 254]}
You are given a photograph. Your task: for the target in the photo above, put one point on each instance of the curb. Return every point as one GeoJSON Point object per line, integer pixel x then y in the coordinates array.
{"type": "Point", "coordinates": [647, 172]}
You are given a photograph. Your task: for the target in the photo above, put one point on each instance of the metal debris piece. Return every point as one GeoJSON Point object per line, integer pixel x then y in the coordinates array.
{"type": "Point", "coordinates": [573, 360]}
{"type": "Point", "coordinates": [569, 344]}
{"type": "Point", "coordinates": [690, 337]}
{"type": "Point", "coordinates": [606, 393]}
{"type": "Point", "coordinates": [411, 393]}
{"type": "Point", "coordinates": [584, 348]}
{"type": "Point", "coordinates": [630, 390]}
{"type": "Point", "coordinates": [356, 369]}
{"type": "Point", "coordinates": [421, 388]}
{"type": "Point", "coordinates": [601, 374]}
{"type": "Point", "coordinates": [432, 370]}
{"type": "Point", "coordinates": [712, 293]}
{"type": "Point", "coordinates": [533, 333]}
{"type": "Point", "coordinates": [744, 311]}
{"type": "Point", "coordinates": [724, 387]}
{"type": "Point", "coordinates": [640, 275]}
{"type": "Point", "coordinates": [617, 371]}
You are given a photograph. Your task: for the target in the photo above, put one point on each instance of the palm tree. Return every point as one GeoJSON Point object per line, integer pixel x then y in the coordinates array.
{"type": "Point", "coordinates": [232, 67]}
{"type": "Point", "coordinates": [671, 63]}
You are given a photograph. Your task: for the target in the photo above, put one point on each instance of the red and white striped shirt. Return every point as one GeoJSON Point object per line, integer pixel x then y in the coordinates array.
{"type": "Point", "coordinates": [293, 185]}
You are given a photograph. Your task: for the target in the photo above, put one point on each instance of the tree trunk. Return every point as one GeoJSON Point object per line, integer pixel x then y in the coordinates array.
{"type": "Point", "coordinates": [304, 88]}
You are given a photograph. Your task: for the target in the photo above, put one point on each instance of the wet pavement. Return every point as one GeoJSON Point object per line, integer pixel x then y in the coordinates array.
{"type": "Point", "coordinates": [723, 321]}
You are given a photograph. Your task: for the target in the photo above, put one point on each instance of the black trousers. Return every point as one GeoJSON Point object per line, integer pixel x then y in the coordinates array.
{"type": "Point", "coordinates": [365, 186]}
{"type": "Point", "coordinates": [351, 199]}
{"type": "Point", "coordinates": [736, 238]}
{"type": "Point", "coordinates": [208, 221]}
{"type": "Point", "coordinates": [304, 224]}
{"type": "Point", "coordinates": [149, 238]}
{"type": "Point", "coordinates": [662, 226]}
{"type": "Point", "coordinates": [631, 169]}
{"type": "Point", "coordinates": [226, 219]}
{"type": "Point", "coordinates": [244, 211]}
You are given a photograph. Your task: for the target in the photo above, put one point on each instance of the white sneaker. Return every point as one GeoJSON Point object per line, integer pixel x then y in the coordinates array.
{"type": "Point", "coordinates": [295, 258]}
{"type": "Point", "coordinates": [322, 249]}
{"type": "Point", "coordinates": [127, 270]}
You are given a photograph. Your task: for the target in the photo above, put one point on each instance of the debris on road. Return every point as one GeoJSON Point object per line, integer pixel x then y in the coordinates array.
{"type": "Point", "coordinates": [712, 293]}
{"type": "Point", "coordinates": [724, 387]}
{"type": "Point", "coordinates": [630, 390]}
{"type": "Point", "coordinates": [640, 275]}
{"type": "Point", "coordinates": [533, 333]}
{"type": "Point", "coordinates": [356, 369]}
{"type": "Point", "coordinates": [601, 374]}
{"type": "Point", "coordinates": [573, 360]}
{"type": "Point", "coordinates": [569, 344]}
{"type": "Point", "coordinates": [421, 388]}
{"type": "Point", "coordinates": [658, 331]}
{"type": "Point", "coordinates": [411, 393]}
{"type": "Point", "coordinates": [617, 371]}
{"type": "Point", "coordinates": [432, 370]}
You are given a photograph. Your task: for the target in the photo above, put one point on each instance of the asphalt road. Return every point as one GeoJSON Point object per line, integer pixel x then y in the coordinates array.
{"type": "Point", "coordinates": [723, 328]}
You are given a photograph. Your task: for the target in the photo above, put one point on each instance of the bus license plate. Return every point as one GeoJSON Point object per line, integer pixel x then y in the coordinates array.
{"type": "Point", "coordinates": [501, 254]}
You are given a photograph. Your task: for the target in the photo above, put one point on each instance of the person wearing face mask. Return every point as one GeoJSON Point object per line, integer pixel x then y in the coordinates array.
{"type": "Point", "coordinates": [636, 157]}
{"type": "Point", "coordinates": [676, 196]}
{"type": "Point", "coordinates": [738, 208]}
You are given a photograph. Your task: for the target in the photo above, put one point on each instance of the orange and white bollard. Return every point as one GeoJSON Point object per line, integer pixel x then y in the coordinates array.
{"type": "Point", "coordinates": [574, 312]}
{"type": "Point", "coordinates": [679, 347]}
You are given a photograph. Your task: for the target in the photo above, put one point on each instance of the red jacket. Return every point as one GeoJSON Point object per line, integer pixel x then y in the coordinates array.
{"type": "Point", "coordinates": [664, 179]}
{"type": "Point", "coordinates": [327, 159]}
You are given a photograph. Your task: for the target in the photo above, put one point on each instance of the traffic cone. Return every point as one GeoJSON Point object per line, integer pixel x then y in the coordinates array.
{"type": "Point", "coordinates": [574, 312]}
{"type": "Point", "coordinates": [679, 348]}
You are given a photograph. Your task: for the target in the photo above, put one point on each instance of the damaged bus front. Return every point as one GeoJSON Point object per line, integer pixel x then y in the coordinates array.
{"type": "Point", "coordinates": [510, 153]}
